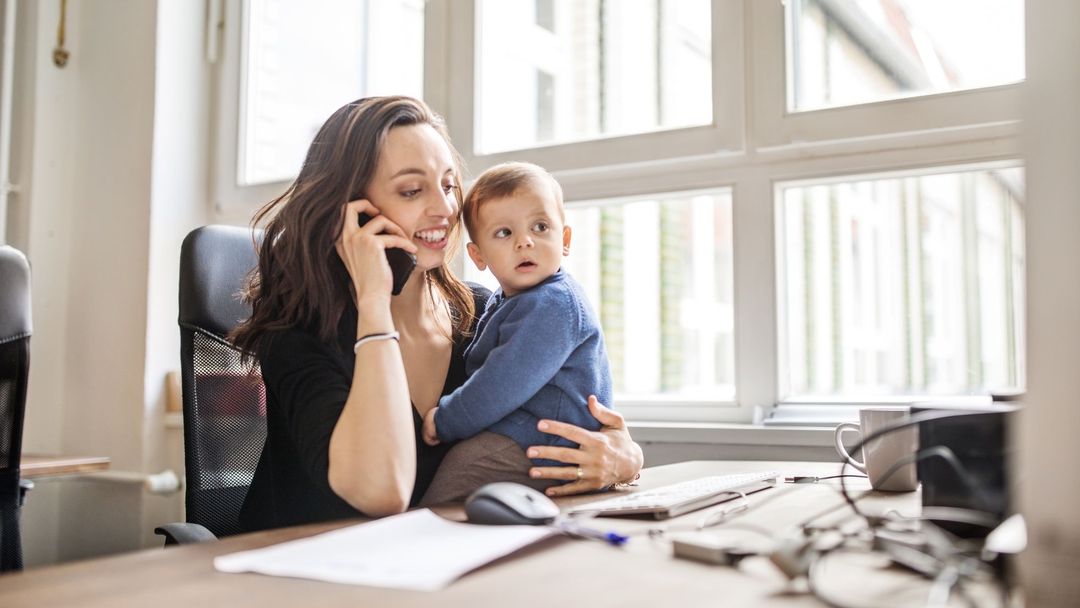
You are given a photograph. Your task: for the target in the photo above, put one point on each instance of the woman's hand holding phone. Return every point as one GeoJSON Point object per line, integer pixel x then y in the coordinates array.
{"type": "Point", "coordinates": [363, 250]}
{"type": "Point", "coordinates": [401, 262]}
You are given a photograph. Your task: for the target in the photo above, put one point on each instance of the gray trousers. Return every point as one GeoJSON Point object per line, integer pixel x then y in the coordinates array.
{"type": "Point", "coordinates": [483, 458]}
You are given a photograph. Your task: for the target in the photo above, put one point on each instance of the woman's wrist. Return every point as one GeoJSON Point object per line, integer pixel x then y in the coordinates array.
{"type": "Point", "coordinates": [373, 317]}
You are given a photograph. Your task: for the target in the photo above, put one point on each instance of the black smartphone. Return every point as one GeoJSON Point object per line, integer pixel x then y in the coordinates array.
{"type": "Point", "coordinates": [401, 262]}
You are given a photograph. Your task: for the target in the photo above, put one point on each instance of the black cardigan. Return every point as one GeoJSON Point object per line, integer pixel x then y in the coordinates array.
{"type": "Point", "coordinates": [307, 383]}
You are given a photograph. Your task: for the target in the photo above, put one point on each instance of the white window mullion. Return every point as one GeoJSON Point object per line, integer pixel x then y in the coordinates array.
{"type": "Point", "coordinates": [729, 69]}
{"type": "Point", "coordinates": [461, 66]}
{"type": "Point", "coordinates": [756, 361]}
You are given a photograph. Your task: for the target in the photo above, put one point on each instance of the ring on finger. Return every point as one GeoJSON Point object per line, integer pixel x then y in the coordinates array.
{"type": "Point", "coordinates": [580, 473]}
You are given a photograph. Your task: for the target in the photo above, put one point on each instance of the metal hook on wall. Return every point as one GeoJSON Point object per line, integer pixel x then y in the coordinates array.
{"type": "Point", "coordinates": [60, 54]}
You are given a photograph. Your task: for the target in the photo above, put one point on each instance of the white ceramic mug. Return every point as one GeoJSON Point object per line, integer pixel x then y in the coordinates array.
{"type": "Point", "coordinates": [879, 455]}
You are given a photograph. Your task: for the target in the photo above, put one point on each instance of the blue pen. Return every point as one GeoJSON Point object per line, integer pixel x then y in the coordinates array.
{"type": "Point", "coordinates": [574, 529]}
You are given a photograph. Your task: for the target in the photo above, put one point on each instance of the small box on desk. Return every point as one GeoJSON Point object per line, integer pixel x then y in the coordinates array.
{"type": "Point", "coordinates": [972, 470]}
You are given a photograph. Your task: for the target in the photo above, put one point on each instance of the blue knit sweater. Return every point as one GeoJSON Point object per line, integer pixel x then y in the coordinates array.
{"type": "Point", "coordinates": [537, 354]}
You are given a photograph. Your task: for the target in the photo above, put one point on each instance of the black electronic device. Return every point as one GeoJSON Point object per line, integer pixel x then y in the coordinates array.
{"type": "Point", "coordinates": [506, 503]}
{"type": "Point", "coordinates": [972, 471]}
{"type": "Point", "coordinates": [401, 262]}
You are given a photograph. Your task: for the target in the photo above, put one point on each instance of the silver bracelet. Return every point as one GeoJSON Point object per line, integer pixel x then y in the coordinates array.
{"type": "Point", "coordinates": [374, 337]}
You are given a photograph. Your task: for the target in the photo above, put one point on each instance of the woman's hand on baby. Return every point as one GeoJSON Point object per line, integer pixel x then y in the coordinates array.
{"type": "Point", "coordinates": [362, 248]}
{"type": "Point", "coordinates": [603, 458]}
{"type": "Point", "coordinates": [431, 437]}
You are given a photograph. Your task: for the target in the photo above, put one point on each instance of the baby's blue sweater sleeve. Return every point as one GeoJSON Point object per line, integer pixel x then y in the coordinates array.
{"type": "Point", "coordinates": [535, 339]}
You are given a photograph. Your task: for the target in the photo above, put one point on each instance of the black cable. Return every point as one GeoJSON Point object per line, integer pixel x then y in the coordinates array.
{"type": "Point", "coordinates": [815, 479]}
{"type": "Point", "coordinates": [950, 458]}
{"type": "Point", "coordinates": [910, 421]}
{"type": "Point", "coordinates": [839, 476]}
{"type": "Point", "coordinates": [943, 587]}
{"type": "Point", "coordinates": [950, 514]}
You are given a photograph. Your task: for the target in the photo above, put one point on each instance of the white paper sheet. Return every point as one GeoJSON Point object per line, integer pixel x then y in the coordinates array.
{"type": "Point", "coordinates": [417, 550]}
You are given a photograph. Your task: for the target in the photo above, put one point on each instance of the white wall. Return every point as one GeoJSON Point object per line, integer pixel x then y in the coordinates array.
{"type": "Point", "coordinates": [88, 193]}
{"type": "Point", "coordinates": [1048, 478]}
{"type": "Point", "coordinates": [111, 165]}
{"type": "Point", "coordinates": [179, 203]}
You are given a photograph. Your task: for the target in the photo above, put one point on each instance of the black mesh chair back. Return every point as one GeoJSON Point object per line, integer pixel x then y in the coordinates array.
{"type": "Point", "coordinates": [224, 400]}
{"type": "Point", "coordinates": [15, 328]}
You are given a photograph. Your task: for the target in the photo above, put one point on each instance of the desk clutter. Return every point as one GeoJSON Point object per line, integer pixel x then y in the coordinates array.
{"type": "Point", "coordinates": [417, 551]}
{"type": "Point", "coordinates": [951, 549]}
{"type": "Point", "coordinates": [958, 541]}
{"type": "Point", "coordinates": [886, 556]}
{"type": "Point", "coordinates": [851, 533]}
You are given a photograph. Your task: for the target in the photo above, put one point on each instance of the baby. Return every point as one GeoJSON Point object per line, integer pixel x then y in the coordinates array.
{"type": "Point", "coordinates": [537, 352]}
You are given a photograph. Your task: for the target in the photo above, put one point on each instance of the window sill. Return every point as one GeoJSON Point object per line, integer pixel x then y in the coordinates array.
{"type": "Point", "coordinates": [731, 434]}
{"type": "Point", "coordinates": [693, 432]}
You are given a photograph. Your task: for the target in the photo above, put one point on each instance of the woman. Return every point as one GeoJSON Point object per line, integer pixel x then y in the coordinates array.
{"type": "Point", "coordinates": [349, 369]}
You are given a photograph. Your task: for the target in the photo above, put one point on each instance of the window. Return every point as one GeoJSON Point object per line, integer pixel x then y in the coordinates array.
{"type": "Point", "coordinates": [303, 61]}
{"type": "Point", "coordinates": [295, 64]}
{"type": "Point", "coordinates": [870, 68]}
{"type": "Point", "coordinates": [658, 272]}
{"type": "Point", "coordinates": [614, 68]}
{"type": "Point", "coordinates": [903, 286]}
{"type": "Point", "coordinates": [842, 52]}
{"type": "Point", "coordinates": [774, 202]}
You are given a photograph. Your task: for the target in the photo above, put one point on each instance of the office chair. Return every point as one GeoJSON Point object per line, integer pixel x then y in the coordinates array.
{"type": "Point", "coordinates": [224, 401]}
{"type": "Point", "coordinates": [15, 329]}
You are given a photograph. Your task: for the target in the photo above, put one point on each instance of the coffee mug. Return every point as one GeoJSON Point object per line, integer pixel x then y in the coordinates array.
{"type": "Point", "coordinates": [881, 454]}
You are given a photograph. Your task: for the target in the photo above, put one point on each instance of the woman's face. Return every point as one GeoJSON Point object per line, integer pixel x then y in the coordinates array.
{"type": "Point", "coordinates": [413, 186]}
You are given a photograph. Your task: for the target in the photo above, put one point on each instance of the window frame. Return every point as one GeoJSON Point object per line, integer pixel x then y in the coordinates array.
{"type": "Point", "coordinates": [775, 126]}
{"type": "Point", "coordinates": [784, 393]}
{"type": "Point", "coordinates": [759, 148]}
{"type": "Point", "coordinates": [717, 137]}
{"type": "Point", "coordinates": [659, 408]}
{"type": "Point", "coordinates": [229, 200]}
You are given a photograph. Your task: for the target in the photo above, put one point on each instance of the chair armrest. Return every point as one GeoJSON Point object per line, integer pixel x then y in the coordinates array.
{"type": "Point", "coordinates": [183, 533]}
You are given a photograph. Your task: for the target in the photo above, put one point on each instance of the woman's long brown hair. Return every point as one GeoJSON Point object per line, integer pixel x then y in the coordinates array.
{"type": "Point", "coordinates": [300, 280]}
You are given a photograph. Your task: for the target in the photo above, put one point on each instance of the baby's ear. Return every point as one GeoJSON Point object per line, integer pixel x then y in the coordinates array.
{"type": "Point", "coordinates": [566, 234]}
{"type": "Point", "coordinates": [474, 254]}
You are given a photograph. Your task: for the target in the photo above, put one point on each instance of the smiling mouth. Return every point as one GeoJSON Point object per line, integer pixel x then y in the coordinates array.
{"type": "Point", "coordinates": [432, 236]}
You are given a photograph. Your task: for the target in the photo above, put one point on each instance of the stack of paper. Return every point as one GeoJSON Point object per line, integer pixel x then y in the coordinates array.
{"type": "Point", "coordinates": [417, 550]}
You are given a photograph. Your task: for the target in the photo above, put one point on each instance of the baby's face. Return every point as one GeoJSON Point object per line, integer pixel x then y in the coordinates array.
{"type": "Point", "coordinates": [521, 238]}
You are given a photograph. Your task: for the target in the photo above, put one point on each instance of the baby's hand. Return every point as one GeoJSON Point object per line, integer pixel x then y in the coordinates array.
{"type": "Point", "coordinates": [431, 437]}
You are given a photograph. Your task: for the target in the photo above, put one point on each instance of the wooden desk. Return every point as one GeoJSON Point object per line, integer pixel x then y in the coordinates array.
{"type": "Point", "coordinates": [36, 466]}
{"type": "Point", "coordinates": [556, 572]}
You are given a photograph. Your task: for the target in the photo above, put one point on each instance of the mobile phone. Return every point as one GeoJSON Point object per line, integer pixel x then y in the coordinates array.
{"type": "Point", "coordinates": [401, 262]}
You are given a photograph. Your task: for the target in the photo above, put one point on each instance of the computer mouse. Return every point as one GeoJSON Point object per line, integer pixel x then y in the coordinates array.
{"type": "Point", "coordinates": [505, 503]}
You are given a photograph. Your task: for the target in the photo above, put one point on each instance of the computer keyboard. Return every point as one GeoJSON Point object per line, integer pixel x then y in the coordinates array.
{"type": "Point", "coordinates": [678, 498]}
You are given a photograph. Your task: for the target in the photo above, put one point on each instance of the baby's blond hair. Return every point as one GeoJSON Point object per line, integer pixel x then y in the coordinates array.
{"type": "Point", "coordinates": [504, 180]}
